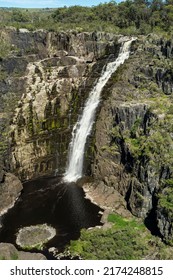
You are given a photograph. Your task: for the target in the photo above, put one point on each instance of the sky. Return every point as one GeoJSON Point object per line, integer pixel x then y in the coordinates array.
{"type": "Point", "coordinates": [48, 3]}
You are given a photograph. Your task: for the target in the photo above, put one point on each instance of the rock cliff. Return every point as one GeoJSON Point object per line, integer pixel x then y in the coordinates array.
{"type": "Point", "coordinates": [45, 79]}
{"type": "Point", "coordinates": [55, 71]}
{"type": "Point", "coordinates": [133, 145]}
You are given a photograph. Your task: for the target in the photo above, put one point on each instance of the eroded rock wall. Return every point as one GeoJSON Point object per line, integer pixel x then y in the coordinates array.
{"type": "Point", "coordinates": [133, 145]}
{"type": "Point", "coordinates": [48, 77]}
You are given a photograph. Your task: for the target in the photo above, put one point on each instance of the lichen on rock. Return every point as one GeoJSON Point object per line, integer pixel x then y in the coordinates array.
{"type": "Point", "coordinates": [35, 236]}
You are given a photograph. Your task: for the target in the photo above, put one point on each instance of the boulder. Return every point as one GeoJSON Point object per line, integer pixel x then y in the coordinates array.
{"type": "Point", "coordinates": [9, 252]}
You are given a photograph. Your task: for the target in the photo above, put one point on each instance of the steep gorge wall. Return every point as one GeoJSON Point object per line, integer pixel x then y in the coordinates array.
{"type": "Point", "coordinates": [133, 149]}
{"type": "Point", "coordinates": [49, 75]}
{"type": "Point", "coordinates": [44, 83]}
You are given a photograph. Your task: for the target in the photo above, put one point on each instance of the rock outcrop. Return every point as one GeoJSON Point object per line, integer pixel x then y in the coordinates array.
{"type": "Point", "coordinates": [133, 145]}
{"type": "Point", "coordinates": [165, 211]}
{"type": "Point", "coordinates": [57, 70]}
{"type": "Point", "coordinates": [9, 252]}
{"type": "Point", "coordinates": [10, 189]}
{"type": "Point", "coordinates": [35, 236]}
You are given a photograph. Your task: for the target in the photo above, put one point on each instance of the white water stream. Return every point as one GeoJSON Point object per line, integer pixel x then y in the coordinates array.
{"type": "Point", "coordinates": [84, 125]}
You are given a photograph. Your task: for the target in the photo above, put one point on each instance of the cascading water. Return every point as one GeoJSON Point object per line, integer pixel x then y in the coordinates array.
{"type": "Point", "coordinates": [84, 125]}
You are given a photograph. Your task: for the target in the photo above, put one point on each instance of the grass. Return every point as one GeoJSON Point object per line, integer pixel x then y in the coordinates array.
{"type": "Point", "coordinates": [126, 239]}
{"type": "Point", "coordinates": [121, 223]}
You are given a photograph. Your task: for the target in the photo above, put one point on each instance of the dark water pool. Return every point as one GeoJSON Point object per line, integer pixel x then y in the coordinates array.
{"type": "Point", "coordinates": [60, 205]}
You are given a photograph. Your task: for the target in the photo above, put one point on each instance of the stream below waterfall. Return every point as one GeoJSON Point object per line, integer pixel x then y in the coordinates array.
{"type": "Point", "coordinates": [60, 205]}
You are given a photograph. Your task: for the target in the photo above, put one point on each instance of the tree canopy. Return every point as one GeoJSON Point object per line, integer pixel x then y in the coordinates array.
{"type": "Point", "coordinates": [128, 17]}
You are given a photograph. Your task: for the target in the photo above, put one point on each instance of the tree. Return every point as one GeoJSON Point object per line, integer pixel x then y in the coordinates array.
{"type": "Point", "coordinates": [19, 16]}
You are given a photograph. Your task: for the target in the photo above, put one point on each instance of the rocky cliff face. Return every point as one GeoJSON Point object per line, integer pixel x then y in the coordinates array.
{"type": "Point", "coordinates": [133, 150]}
{"type": "Point", "coordinates": [45, 80]}
{"type": "Point", "coordinates": [54, 74]}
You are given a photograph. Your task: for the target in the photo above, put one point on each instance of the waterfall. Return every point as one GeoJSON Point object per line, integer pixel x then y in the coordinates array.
{"type": "Point", "coordinates": [84, 124]}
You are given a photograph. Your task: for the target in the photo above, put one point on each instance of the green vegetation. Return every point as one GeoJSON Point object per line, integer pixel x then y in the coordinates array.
{"type": "Point", "coordinates": [26, 18]}
{"type": "Point", "coordinates": [121, 223]}
{"type": "Point", "coordinates": [37, 246]}
{"type": "Point", "coordinates": [129, 17]}
{"type": "Point", "coordinates": [113, 149]}
{"type": "Point", "coordinates": [5, 49]}
{"type": "Point", "coordinates": [166, 197]}
{"type": "Point", "coordinates": [13, 256]}
{"type": "Point", "coordinates": [153, 142]}
{"type": "Point", "coordinates": [158, 144]}
{"type": "Point", "coordinates": [166, 200]}
{"type": "Point", "coordinates": [165, 205]}
{"type": "Point", "coordinates": [9, 101]}
{"type": "Point", "coordinates": [125, 239]}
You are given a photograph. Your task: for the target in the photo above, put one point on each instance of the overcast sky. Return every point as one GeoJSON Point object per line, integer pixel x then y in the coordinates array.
{"type": "Point", "coordinates": [48, 3]}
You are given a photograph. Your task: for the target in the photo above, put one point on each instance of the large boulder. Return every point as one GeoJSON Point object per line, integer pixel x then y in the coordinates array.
{"type": "Point", "coordinates": [9, 252]}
